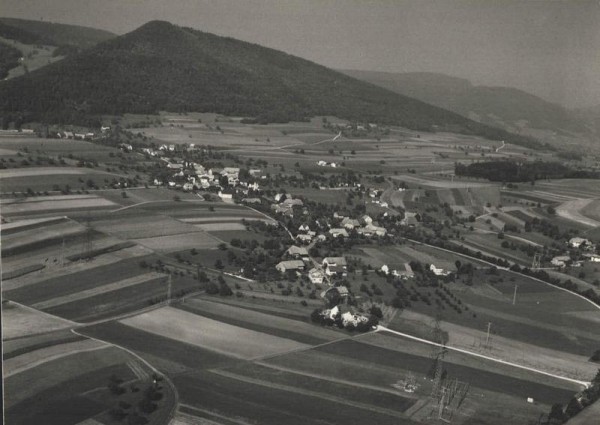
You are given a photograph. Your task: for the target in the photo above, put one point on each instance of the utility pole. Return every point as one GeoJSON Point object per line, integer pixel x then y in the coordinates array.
{"type": "Point", "coordinates": [537, 262]}
{"type": "Point", "coordinates": [62, 253]}
{"type": "Point", "coordinates": [169, 292]}
{"type": "Point", "coordinates": [515, 295]}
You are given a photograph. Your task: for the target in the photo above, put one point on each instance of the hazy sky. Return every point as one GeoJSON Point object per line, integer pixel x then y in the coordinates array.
{"type": "Point", "coordinates": [549, 48]}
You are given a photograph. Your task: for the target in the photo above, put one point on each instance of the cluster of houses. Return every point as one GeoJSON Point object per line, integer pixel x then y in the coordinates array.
{"type": "Point", "coordinates": [589, 253]}
{"type": "Point", "coordinates": [296, 259]}
{"type": "Point", "coordinates": [190, 176]}
{"type": "Point", "coordinates": [346, 314]}
{"type": "Point", "coordinates": [286, 205]}
{"type": "Point", "coordinates": [363, 226]}
{"type": "Point", "coordinates": [75, 136]}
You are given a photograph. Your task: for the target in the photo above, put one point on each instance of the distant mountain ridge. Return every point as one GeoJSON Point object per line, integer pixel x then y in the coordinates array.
{"type": "Point", "coordinates": [47, 33]}
{"type": "Point", "coordinates": [504, 107]}
{"type": "Point", "coordinates": [161, 66]}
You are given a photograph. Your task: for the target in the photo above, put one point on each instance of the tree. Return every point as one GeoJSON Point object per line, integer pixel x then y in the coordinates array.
{"type": "Point", "coordinates": [556, 413]}
{"type": "Point", "coordinates": [224, 289]}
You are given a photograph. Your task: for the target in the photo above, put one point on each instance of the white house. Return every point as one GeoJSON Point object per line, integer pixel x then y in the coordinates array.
{"type": "Point", "coordinates": [316, 276]}
{"type": "Point", "coordinates": [438, 271]}
{"type": "Point", "coordinates": [385, 269]}
{"type": "Point", "coordinates": [594, 258]}
{"type": "Point", "coordinates": [303, 228]}
{"type": "Point", "coordinates": [577, 242]}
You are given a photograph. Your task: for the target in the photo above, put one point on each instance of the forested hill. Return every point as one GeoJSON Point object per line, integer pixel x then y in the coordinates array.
{"type": "Point", "coordinates": [160, 66]}
{"type": "Point", "coordinates": [503, 107]}
{"type": "Point", "coordinates": [47, 33]}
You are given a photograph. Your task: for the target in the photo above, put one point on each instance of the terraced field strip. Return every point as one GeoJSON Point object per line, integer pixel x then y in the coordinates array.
{"type": "Point", "coordinates": [37, 357]}
{"type": "Point", "coordinates": [28, 223]}
{"type": "Point", "coordinates": [217, 336]}
{"type": "Point", "coordinates": [198, 240]}
{"type": "Point", "coordinates": [36, 237]}
{"type": "Point", "coordinates": [47, 205]}
{"type": "Point", "coordinates": [72, 268]}
{"type": "Point", "coordinates": [103, 289]}
{"type": "Point", "coordinates": [305, 392]}
{"type": "Point", "coordinates": [52, 373]}
{"type": "Point", "coordinates": [81, 280]}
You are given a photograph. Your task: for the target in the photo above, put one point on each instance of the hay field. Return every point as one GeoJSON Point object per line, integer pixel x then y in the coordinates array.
{"type": "Point", "coordinates": [198, 240]}
{"type": "Point", "coordinates": [35, 358]}
{"type": "Point", "coordinates": [574, 210]}
{"type": "Point", "coordinates": [262, 322]}
{"type": "Point", "coordinates": [136, 226]}
{"type": "Point", "coordinates": [202, 332]}
{"type": "Point", "coordinates": [19, 321]}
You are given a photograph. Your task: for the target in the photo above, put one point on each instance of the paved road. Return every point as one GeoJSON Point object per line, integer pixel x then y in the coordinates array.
{"type": "Point", "coordinates": [493, 359]}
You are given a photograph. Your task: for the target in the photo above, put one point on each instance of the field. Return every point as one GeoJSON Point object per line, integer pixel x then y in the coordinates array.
{"type": "Point", "coordinates": [53, 204]}
{"type": "Point", "coordinates": [100, 264]}
{"type": "Point", "coordinates": [66, 383]}
{"type": "Point", "coordinates": [18, 321]}
{"type": "Point", "coordinates": [210, 334]}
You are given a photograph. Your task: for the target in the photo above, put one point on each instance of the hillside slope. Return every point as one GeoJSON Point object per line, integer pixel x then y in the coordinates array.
{"type": "Point", "coordinates": [503, 107]}
{"type": "Point", "coordinates": [163, 67]}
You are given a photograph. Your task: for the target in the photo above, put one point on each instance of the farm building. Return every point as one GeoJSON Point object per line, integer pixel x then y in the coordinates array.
{"type": "Point", "coordinates": [405, 273]}
{"type": "Point", "coordinates": [560, 261]}
{"type": "Point", "coordinates": [304, 238]}
{"type": "Point", "coordinates": [370, 230]}
{"type": "Point", "coordinates": [336, 294]}
{"type": "Point", "coordinates": [335, 266]}
{"type": "Point", "coordinates": [365, 219]}
{"type": "Point", "coordinates": [410, 219]}
{"type": "Point", "coordinates": [285, 266]}
{"type": "Point", "coordinates": [334, 261]}
{"type": "Point", "coordinates": [297, 252]}
{"type": "Point", "coordinates": [350, 223]}
{"type": "Point", "coordinates": [385, 269]}
{"type": "Point", "coordinates": [594, 258]}
{"type": "Point", "coordinates": [336, 233]}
